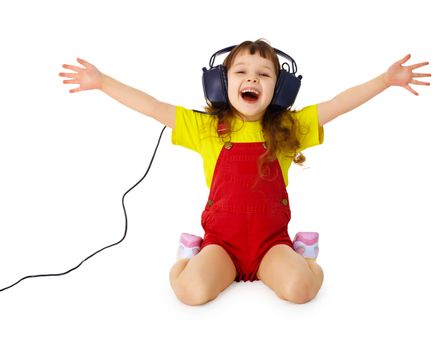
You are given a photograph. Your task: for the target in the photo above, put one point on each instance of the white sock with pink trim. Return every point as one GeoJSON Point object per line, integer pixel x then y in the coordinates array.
{"type": "Point", "coordinates": [189, 246]}
{"type": "Point", "coordinates": [306, 244]}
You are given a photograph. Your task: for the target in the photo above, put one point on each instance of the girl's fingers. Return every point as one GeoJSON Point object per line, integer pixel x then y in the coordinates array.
{"type": "Point", "coordinates": [74, 68]}
{"type": "Point", "coordinates": [408, 87]}
{"type": "Point", "coordinates": [418, 82]}
{"type": "Point", "coordinates": [421, 75]}
{"type": "Point", "coordinates": [418, 65]}
{"type": "Point", "coordinates": [76, 77]}
{"type": "Point", "coordinates": [75, 90]}
{"type": "Point", "coordinates": [68, 75]}
{"type": "Point", "coordinates": [83, 62]}
{"type": "Point", "coordinates": [405, 59]}
{"type": "Point", "coordinates": [72, 81]}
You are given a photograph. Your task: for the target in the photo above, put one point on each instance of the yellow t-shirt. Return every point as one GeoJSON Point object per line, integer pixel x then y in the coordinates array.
{"type": "Point", "coordinates": [197, 131]}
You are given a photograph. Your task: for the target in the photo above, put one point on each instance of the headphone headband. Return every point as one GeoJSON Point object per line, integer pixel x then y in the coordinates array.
{"type": "Point", "coordinates": [278, 52]}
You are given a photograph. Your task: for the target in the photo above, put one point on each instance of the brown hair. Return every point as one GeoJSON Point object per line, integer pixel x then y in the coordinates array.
{"type": "Point", "coordinates": [280, 129]}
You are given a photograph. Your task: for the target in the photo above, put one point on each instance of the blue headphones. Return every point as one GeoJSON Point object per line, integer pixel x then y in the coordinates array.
{"type": "Point", "coordinates": [215, 83]}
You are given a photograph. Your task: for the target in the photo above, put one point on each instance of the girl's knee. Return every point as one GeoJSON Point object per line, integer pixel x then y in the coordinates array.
{"type": "Point", "coordinates": [192, 293]}
{"type": "Point", "coordinates": [299, 291]}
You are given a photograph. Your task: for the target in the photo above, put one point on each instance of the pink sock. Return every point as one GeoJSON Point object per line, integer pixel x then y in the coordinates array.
{"type": "Point", "coordinates": [189, 246]}
{"type": "Point", "coordinates": [306, 244]}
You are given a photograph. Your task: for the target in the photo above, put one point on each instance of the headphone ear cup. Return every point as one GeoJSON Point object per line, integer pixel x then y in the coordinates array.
{"type": "Point", "coordinates": [286, 90]}
{"type": "Point", "coordinates": [215, 86]}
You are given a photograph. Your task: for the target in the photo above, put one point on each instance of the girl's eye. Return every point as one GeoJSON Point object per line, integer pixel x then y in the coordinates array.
{"type": "Point", "coordinates": [240, 72]}
{"type": "Point", "coordinates": [265, 75]}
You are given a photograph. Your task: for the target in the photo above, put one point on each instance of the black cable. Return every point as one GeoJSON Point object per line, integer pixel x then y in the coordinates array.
{"type": "Point", "coordinates": [109, 246]}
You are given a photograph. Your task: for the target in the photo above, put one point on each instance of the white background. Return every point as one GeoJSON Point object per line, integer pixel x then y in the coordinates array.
{"type": "Point", "coordinates": [375, 190]}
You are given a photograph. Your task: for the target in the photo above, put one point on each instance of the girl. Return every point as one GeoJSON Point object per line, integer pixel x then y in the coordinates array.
{"type": "Point", "coordinates": [247, 150]}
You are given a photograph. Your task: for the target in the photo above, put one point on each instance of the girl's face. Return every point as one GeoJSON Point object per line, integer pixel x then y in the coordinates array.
{"type": "Point", "coordinates": [251, 84]}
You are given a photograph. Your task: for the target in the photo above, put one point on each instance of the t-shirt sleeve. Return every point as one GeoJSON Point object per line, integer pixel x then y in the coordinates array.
{"type": "Point", "coordinates": [310, 133]}
{"type": "Point", "coordinates": [188, 129]}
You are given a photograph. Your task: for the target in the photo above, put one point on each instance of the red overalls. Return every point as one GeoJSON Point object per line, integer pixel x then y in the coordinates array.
{"type": "Point", "coordinates": [246, 214]}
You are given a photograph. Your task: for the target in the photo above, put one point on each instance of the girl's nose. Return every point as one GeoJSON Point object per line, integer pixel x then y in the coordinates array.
{"type": "Point", "coordinates": [252, 80]}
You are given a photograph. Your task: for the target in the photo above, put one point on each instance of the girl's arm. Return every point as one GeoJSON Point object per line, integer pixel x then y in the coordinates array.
{"type": "Point", "coordinates": [89, 77]}
{"type": "Point", "coordinates": [396, 75]}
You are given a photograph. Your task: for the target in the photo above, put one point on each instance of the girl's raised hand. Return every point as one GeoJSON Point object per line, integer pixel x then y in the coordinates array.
{"type": "Point", "coordinates": [88, 77]}
{"type": "Point", "coordinates": [399, 75]}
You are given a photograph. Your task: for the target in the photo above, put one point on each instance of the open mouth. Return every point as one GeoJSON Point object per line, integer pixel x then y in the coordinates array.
{"type": "Point", "coordinates": [250, 95]}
